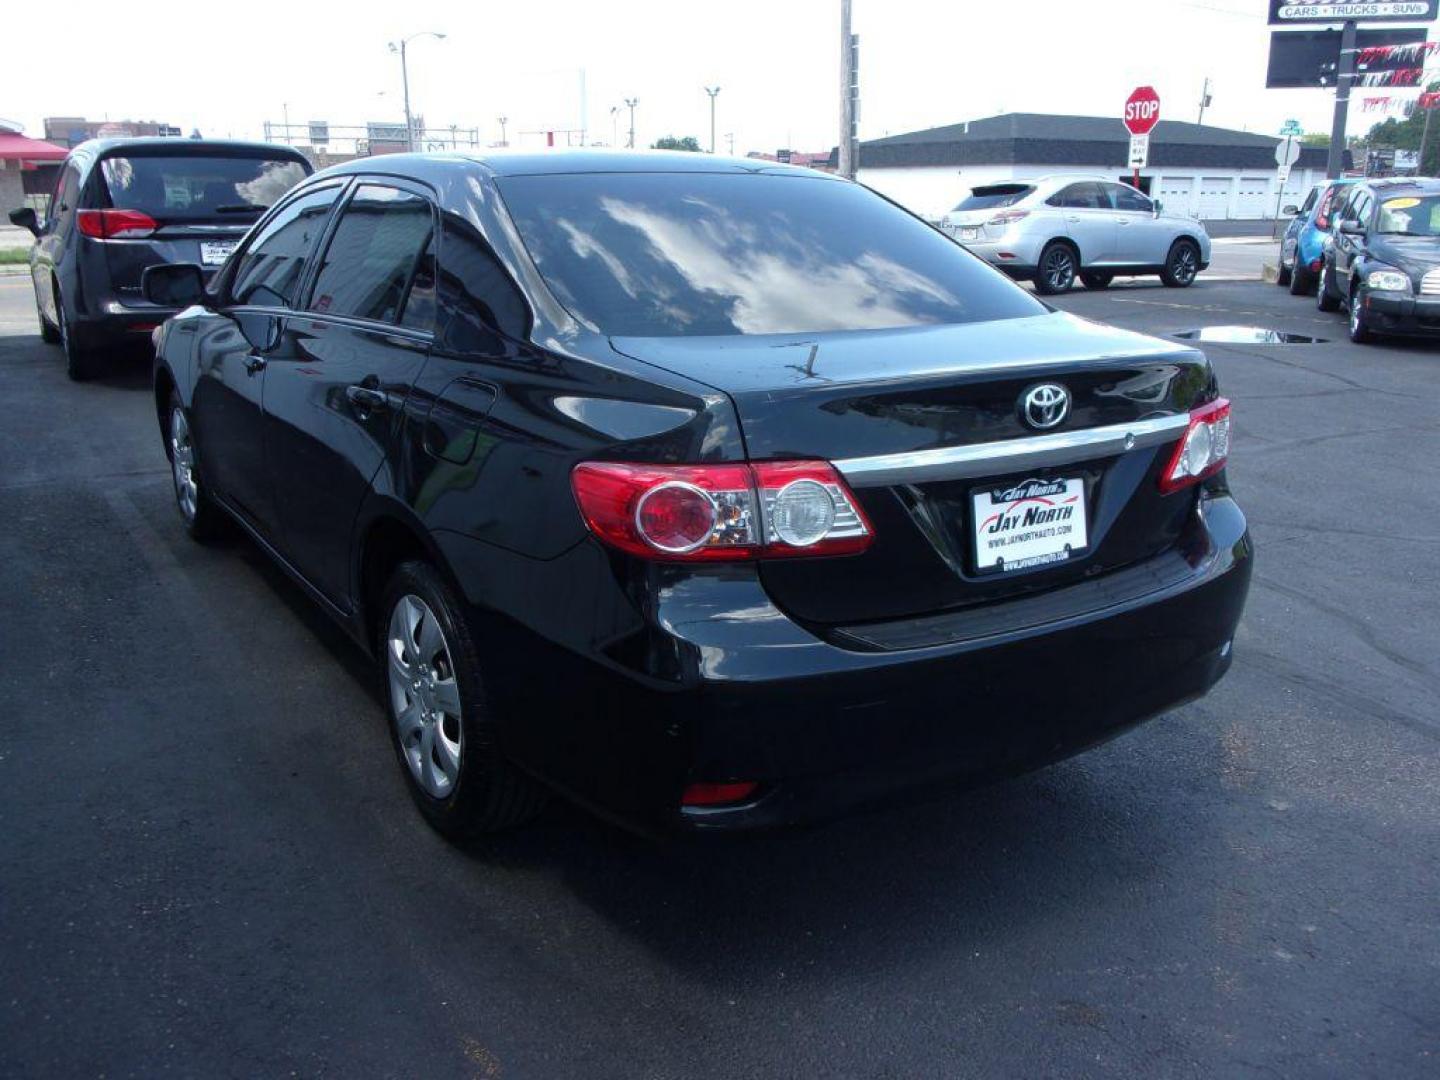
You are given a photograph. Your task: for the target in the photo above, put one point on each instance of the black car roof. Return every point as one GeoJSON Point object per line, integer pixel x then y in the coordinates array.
{"type": "Point", "coordinates": [542, 162]}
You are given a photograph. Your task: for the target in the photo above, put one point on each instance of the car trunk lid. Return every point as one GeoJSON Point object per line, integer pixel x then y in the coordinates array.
{"type": "Point", "coordinates": [922, 421]}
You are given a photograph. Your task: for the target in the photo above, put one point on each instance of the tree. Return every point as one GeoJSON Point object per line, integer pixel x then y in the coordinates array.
{"type": "Point", "coordinates": [1405, 135]}
{"type": "Point", "coordinates": [670, 142]}
{"type": "Point", "coordinates": [1315, 138]}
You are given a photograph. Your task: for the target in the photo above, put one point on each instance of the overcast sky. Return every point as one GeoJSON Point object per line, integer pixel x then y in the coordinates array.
{"type": "Point", "coordinates": [225, 68]}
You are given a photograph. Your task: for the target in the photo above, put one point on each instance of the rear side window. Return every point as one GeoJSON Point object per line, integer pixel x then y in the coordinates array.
{"type": "Point", "coordinates": [476, 293]}
{"type": "Point", "coordinates": [374, 257]}
{"type": "Point", "coordinates": [995, 195]}
{"type": "Point", "coordinates": [195, 187]}
{"type": "Point", "coordinates": [689, 254]}
{"type": "Point", "coordinates": [1329, 200]}
{"type": "Point", "coordinates": [269, 271]}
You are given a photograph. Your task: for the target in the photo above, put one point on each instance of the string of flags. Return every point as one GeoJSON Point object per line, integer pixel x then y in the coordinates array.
{"type": "Point", "coordinates": [1406, 56]}
{"type": "Point", "coordinates": [1385, 103]}
{"type": "Point", "coordinates": [1398, 77]}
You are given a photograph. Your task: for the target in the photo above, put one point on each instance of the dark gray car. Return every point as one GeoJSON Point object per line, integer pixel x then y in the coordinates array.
{"type": "Point", "coordinates": [121, 205]}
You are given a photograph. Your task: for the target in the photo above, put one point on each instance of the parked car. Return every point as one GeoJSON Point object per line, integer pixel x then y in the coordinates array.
{"type": "Point", "coordinates": [1383, 259]}
{"type": "Point", "coordinates": [121, 205]}
{"type": "Point", "coordinates": [710, 494]}
{"type": "Point", "coordinates": [1056, 228]}
{"type": "Point", "coordinates": [1302, 248]}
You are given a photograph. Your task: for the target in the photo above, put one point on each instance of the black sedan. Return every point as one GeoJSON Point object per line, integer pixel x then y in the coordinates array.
{"type": "Point", "coordinates": [709, 493]}
{"type": "Point", "coordinates": [1383, 259]}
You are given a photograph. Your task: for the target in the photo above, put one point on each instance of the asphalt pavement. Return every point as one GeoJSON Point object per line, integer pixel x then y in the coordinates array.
{"type": "Point", "coordinates": [209, 865]}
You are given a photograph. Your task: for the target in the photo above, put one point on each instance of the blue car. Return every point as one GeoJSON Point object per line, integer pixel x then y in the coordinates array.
{"type": "Point", "coordinates": [1302, 249]}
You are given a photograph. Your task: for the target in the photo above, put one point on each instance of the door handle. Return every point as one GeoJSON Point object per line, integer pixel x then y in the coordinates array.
{"type": "Point", "coordinates": [367, 398]}
{"type": "Point", "coordinates": [254, 364]}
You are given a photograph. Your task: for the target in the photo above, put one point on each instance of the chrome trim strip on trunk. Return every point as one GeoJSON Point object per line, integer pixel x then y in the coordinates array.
{"type": "Point", "coordinates": [1007, 455]}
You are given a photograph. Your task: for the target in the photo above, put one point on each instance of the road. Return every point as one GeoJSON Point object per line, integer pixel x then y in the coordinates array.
{"type": "Point", "coordinates": [209, 865]}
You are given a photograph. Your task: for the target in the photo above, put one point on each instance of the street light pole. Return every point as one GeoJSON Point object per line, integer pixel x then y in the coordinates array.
{"type": "Point", "coordinates": [614, 125]}
{"type": "Point", "coordinates": [504, 141]}
{"type": "Point", "coordinates": [630, 103]}
{"type": "Point", "coordinates": [714, 92]}
{"type": "Point", "coordinates": [405, 79]}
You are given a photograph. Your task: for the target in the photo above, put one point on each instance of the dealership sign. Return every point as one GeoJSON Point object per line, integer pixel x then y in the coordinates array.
{"type": "Point", "coordinates": [1284, 13]}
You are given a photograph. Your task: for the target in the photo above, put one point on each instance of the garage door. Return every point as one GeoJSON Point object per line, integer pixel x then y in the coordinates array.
{"type": "Point", "coordinates": [1214, 197]}
{"type": "Point", "coordinates": [1254, 197]}
{"type": "Point", "coordinates": [1177, 193]}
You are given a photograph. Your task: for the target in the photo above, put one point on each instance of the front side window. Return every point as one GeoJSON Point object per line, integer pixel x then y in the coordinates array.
{"type": "Point", "coordinates": [269, 272]}
{"type": "Point", "coordinates": [1127, 198]}
{"type": "Point", "coordinates": [374, 257]}
{"type": "Point", "coordinates": [1082, 196]}
{"type": "Point", "coordinates": [688, 254]}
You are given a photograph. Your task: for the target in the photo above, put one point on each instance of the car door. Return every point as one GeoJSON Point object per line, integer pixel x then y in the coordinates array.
{"type": "Point", "coordinates": [234, 348]}
{"type": "Point", "coordinates": [54, 233]}
{"type": "Point", "coordinates": [334, 397]}
{"type": "Point", "coordinates": [1141, 238]}
{"type": "Point", "coordinates": [1088, 219]}
{"type": "Point", "coordinates": [1350, 247]}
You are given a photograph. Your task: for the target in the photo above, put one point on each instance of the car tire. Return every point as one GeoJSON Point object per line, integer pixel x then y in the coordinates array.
{"type": "Point", "coordinates": [203, 520]}
{"type": "Point", "coordinates": [1093, 279]}
{"type": "Point", "coordinates": [1182, 264]}
{"type": "Point", "coordinates": [1325, 300]}
{"type": "Point", "coordinates": [1360, 332]}
{"type": "Point", "coordinates": [1301, 281]}
{"type": "Point", "coordinates": [49, 333]}
{"type": "Point", "coordinates": [1057, 269]}
{"type": "Point", "coordinates": [441, 724]}
{"type": "Point", "coordinates": [81, 362]}
{"type": "Point", "coordinates": [1284, 275]}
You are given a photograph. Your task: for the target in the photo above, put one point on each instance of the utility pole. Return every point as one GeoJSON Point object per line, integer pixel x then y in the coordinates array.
{"type": "Point", "coordinates": [630, 103]}
{"type": "Point", "coordinates": [1336, 160]}
{"type": "Point", "coordinates": [503, 121]}
{"type": "Point", "coordinates": [1204, 101]}
{"type": "Point", "coordinates": [614, 126]}
{"type": "Point", "coordinates": [285, 108]}
{"type": "Point", "coordinates": [405, 79]}
{"type": "Point", "coordinates": [849, 94]}
{"type": "Point", "coordinates": [714, 92]}
{"type": "Point", "coordinates": [1424, 141]}
{"type": "Point", "coordinates": [730, 138]}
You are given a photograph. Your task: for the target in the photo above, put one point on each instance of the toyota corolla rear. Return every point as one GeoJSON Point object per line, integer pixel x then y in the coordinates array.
{"type": "Point", "coordinates": [964, 534]}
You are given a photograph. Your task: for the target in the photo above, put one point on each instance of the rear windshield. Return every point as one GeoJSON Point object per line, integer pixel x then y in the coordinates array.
{"type": "Point", "coordinates": [196, 187]}
{"type": "Point", "coordinates": [689, 254]}
{"type": "Point", "coordinates": [987, 198]}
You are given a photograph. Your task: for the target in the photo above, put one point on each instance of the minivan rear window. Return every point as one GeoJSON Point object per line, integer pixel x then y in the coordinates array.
{"type": "Point", "coordinates": [193, 187]}
{"type": "Point", "coordinates": [993, 195]}
{"type": "Point", "coordinates": [693, 253]}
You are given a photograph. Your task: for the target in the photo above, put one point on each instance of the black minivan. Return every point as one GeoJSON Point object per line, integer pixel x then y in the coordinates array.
{"type": "Point", "coordinates": [121, 205]}
{"type": "Point", "coordinates": [711, 493]}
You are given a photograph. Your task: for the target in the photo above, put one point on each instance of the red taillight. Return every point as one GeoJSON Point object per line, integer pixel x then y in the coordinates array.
{"type": "Point", "coordinates": [1008, 217]}
{"type": "Point", "coordinates": [705, 512]}
{"type": "Point", "coordinates": [115, 224]}
{"type": "Point", "coordinates": [708, 794]}
{"type": "Point", "coordinates": [1203, 449]}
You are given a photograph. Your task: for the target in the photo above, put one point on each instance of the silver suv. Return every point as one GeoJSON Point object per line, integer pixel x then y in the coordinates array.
{"type": "Point", "coordinates": [1057, 228]}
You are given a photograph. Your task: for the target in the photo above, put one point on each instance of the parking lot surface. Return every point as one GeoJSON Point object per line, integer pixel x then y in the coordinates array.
{"type": "Point", "coordinates": [209, 864]}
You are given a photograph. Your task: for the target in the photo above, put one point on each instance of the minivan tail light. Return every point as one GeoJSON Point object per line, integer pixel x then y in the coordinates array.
{"type": "Point", "coordinates": [775, 509]}
{"type": "Point", "coordinates": [1203, 449]}
{"type": "Point", "coordinates": [115, 224]}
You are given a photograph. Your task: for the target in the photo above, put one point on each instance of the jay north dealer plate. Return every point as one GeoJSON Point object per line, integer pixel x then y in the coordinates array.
{"type": "Point", "coordinates": [1029, 524]}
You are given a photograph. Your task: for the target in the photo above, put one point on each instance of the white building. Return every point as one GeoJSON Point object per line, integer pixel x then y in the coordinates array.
{"type": "Point", "coordinates": [1212, 173]}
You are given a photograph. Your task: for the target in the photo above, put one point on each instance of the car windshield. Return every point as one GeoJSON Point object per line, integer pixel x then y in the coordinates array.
{"type": "Point", "coordinates": [988, 198]}
{"type": "Point", "coordinates": [1411, 215]}
{"type": "Point", "coordinates": [690, 253]}
{"type": "Point", "coordinates": [193, 187]}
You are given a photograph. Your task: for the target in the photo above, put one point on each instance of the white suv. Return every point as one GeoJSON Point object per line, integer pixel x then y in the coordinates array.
{"type": "Point", "coordinates": [1057, 228]}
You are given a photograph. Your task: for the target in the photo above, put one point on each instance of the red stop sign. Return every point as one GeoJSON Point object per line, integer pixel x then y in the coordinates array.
{"type": "Point", "coordinates": [1142, 110]}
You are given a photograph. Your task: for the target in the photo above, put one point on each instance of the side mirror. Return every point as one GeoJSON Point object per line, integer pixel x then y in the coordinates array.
{"type": "Point", "coordinates": [173, 284]}
{"type": "Point", "coordinates": [1352, 227]}
{"type": "Point", "coordinates": [26, 219]}
{"type": "Point", "coordinates": [1291, 210]}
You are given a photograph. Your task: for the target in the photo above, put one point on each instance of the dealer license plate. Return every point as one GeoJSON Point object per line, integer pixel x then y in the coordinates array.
{"type": "Point", "coordinates": [215, 252]}
{"type": "Point", "coordinates": [1030, 523]}
{"type": "Point", "coordinates": [970, 232]}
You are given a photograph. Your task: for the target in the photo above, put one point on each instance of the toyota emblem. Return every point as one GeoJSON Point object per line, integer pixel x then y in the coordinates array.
{"type": "Point", "coordinates": [1045, 406]}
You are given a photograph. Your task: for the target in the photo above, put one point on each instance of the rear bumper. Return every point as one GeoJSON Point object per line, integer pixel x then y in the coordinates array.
{"type": "Point", "coordinates": [733, 689]}
{"type": "Point", "coordinates": [1396, 313]}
